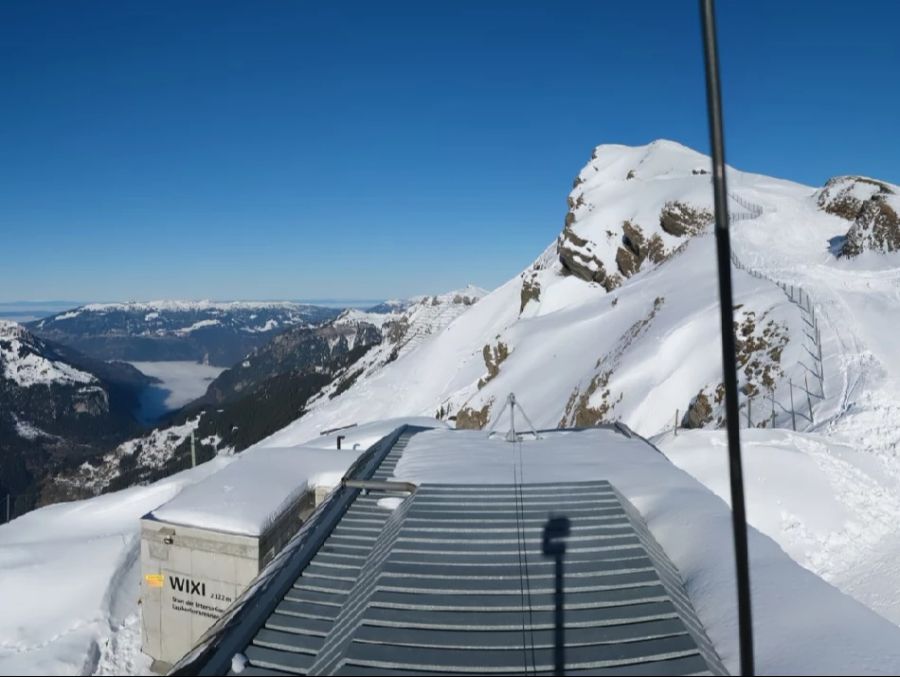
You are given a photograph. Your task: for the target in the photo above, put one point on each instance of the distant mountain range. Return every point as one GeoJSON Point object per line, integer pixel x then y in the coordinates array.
{"type": "Point", "coordinates": [203, 331]}
{"type": "Point", "coordinates": [58, 407]}
{"type": "Point", "coordinates": [269, 388]}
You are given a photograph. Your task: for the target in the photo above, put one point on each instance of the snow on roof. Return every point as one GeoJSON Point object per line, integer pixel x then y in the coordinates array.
{"type": "Point", "coordinates": [250, 494]}
{"type": "Point", "coordinates": [802, 624]}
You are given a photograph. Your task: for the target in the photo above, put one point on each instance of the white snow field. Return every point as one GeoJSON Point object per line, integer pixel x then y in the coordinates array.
{"type": "Point", "coordinates": [69, 582]}
{"type": "Point", "coordinates": [832, 507]}
{"type": "Point", "coordinates": [630, 338]}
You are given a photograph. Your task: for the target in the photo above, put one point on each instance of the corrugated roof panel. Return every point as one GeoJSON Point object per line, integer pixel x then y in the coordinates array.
{"type": "Point", "coordinates": [454, 581]}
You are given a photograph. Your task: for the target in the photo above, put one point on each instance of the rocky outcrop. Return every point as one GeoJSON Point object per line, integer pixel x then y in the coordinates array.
{"type": "Point", "coordinates": [699, 413]}
{"type": "Point", "coordinates": [867, 204]}
{"type": "Point", "coordinates": [577, 258]}
{"type": "Point", "coordinates": [594, 403]}
{"type": "Point", "coordinates": [493, 358]}
{"type": "Point", "coordinates": [683, 220]}
{"type": "Point", "coordinates": [531, 291]}
{"type": "Point", "coordinates": [473, 419]}
{"type": "Point", "coordinates": [760, 344]}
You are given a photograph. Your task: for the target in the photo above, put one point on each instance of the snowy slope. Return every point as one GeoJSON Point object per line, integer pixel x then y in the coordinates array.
{"type": "Point", "coordinates": [831, 506]}
{"type": "Point", "coordinates": [577, 353]}
{"type": "Point", "coordinates": [70, 581]}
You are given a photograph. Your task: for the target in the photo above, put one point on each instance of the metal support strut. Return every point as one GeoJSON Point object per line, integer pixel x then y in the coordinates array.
{"type": "Point", "coordinates": [512, 435]}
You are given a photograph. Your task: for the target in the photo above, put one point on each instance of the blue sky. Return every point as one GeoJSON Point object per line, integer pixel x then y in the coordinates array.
{"type": "Point", "coordinates": [366, 150]}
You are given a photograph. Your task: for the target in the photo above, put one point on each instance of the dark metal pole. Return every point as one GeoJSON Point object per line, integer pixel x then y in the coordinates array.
{"type": "Point", "coordinates": [729, 360]}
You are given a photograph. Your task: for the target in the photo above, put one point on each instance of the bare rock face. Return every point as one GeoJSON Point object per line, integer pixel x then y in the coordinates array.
{"type": "Point", "coordinates": [531, 291]}
{"type": "Point", "coordinates": [681, 219]}
{"type": "Point", "coordinates": [577, 258]}
{"type": "Point", "coordinates": [582, 257]}
{"type": "Point", "coordinates": [699, 413]}
{"type": "Point", "coordinates": [473, 419]}
{"type": "Point", "coordinates": [493, 358]}
{"type": "Point", "coordinates": [871, 206]}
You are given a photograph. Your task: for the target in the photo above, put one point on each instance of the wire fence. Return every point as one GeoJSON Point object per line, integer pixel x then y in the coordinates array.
{"type": "Point", "coordinates": [764, 409]}
{"type": "Point", "coordinates": [15, 505]}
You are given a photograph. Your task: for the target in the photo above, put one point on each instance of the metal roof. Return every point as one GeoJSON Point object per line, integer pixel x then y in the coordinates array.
{"type": "Point", "coordinates": [454, 580]}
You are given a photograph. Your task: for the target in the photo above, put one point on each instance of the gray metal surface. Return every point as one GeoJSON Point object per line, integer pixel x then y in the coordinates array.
{"type": "Point", "coordinates": [454, 581]}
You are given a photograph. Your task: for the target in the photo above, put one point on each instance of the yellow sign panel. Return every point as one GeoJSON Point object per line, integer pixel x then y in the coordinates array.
{"type": "Point", "coordinates": [154, 580]}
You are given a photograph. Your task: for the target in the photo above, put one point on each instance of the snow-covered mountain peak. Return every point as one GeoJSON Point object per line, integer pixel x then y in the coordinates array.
{"type": "Point", "coordinates": [10, 329]}
{"type": "Point", "coordinates": [633, 207]}
{"type": "Point", "coordinates": [659, 158]}
{"type": "Point", "coordinates": [27, 361]}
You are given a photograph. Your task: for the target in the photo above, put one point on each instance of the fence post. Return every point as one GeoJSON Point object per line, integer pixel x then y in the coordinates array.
{"type": "Point", "coordinates": [793, 415]}
{"type": "Point", "coordinates": [808, 398]}
{"type": "Point", "coordinates": [193, 452]}
{"type": "Point", "coordinates": [749, 420]}
{"type": "Point", "coordinates": [676, 422]}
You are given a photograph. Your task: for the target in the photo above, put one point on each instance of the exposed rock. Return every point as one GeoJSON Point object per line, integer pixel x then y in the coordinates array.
{"type": "Point", "coordinates": [699, 412]}
{"type": "Point", "coordinates": [630, 175]}
{"type": "Point", "coordinates": [579, 411]}
{"type": "Point", "coordinates": [876, 225]}
{"type": "Point", "coordinates": [681, 219]}
{"type": "Point", "coordinates": [633, 251]}
{"type": "Point", "coordinates": [464, 300]}
{"type": "Point", "coordinates": [576, 258]}
{"type": "Point", "coordinates": [493, 358]}
{"type": "Point", "coordinates": [759, 352]}
{"type": "Point", "coordinates": [531, 291]}
{"type": "Point", "coordinates": [473, 419]}
{"type": "Point", "coordinates": [656, 250]}
{"type": "Point", "coordinates": [396, 331]}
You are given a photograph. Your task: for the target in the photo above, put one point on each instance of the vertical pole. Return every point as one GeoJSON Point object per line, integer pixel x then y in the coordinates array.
{"type": "Point", "coordinates": [193, 452]}
{"type": "Point", "coordinates": [793, 415]}
{"type": "Point", "coordinates": [749, 419]}
{"type": "Point", "coordinates": [772, 395]}
{"type": "Point", "coordinates": [808, 398]}
{"type": "Point", "coordinates": [676, 422]}
{"type": "Point", "coordinates": [729, 358]}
